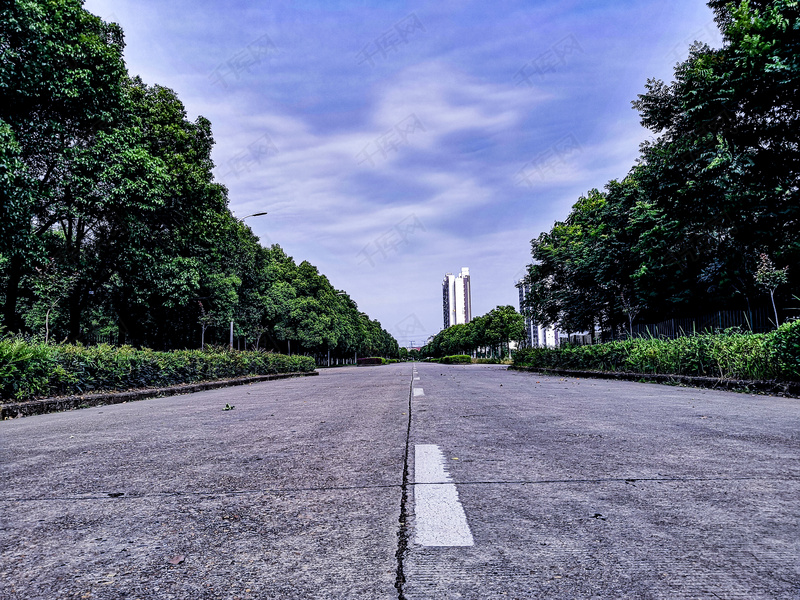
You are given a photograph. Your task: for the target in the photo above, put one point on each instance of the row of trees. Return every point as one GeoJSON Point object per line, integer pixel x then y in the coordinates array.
{"type": "Point", "coordinates": [111, 222]}
{"type": "Point", "coordinates": [489, 334]}
{"type": "Point", "coordinates": [709, 217]}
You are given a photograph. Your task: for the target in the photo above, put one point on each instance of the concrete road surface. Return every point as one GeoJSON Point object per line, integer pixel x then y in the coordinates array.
{"type": "Point", "coordinates": [497, 485]}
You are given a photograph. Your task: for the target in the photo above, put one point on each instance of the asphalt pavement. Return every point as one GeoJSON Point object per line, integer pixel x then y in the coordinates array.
{"type": "Point", "coordinates": [498, 485]}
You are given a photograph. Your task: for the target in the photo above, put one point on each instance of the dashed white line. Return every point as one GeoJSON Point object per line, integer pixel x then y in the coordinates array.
{"type": "Point", "coordinates": [418, 392]}
{"type": "Point", "coordinates": [440, 518]}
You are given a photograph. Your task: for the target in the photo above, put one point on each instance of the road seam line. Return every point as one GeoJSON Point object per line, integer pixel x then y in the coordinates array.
{"type": "Point", "coordinates": [402, 531]}
{"type": "Point", "coordinates": [177, 494]}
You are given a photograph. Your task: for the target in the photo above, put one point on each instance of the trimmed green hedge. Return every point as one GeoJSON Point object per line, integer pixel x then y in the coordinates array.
{"type": "Point", "coordinates": [728, 355]}
{"type": "Point", "coordinates": [370, 360]}
{"type": "Point", "coordinates": [40, 370]}
{"type": "Point", "coordinates": [456, 359]}
{"type": "Point", "coordinates": [375, 360]}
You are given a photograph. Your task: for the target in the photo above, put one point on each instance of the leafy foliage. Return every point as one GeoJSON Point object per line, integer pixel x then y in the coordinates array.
{"type": "Point", "coordinates": [682, 232]}
{"type": "Point", "coordinates": [456, 359]}
{"type": "Point", "coordinates": [30, 370]}
{"type": "Point", "coordinates": [111, 223]}
{"type": "Point", "coordinates": [783, 351]}
{"type": "Point", "coordinates": [492, 331]}
{"type": "Point", "coordinates": [730, 355]}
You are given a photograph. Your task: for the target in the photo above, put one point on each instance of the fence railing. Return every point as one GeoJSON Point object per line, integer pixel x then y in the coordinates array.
{"type": "Point", "coordinates": [759, 320]}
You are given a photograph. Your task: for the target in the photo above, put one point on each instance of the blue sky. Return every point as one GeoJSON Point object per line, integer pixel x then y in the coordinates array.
{"type": "Point", "coordinates": [393, 142]}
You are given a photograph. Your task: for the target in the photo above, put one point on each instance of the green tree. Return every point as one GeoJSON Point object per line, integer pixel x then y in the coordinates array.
{"type": "Point", "coordinates": [61, 86]}
{"type": "Point", "coordinates": [769, 278]}
{"type": "Point", "coordinates": [682, 232]}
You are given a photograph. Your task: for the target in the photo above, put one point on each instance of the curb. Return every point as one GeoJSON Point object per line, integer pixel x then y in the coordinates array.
{"type": "Point", "coordinates": [50, 405]}
{"type": "Point", "coordinates": [774, 388]}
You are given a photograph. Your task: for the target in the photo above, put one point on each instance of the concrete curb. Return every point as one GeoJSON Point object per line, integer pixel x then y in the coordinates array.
{"type": "Point", "coordinates": [774, 388]}
{"type": "Point", "coordinates": [49, 405]}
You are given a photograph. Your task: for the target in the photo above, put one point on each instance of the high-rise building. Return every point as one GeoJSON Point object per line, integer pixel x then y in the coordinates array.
{"type": "Point", "coordinates": [537, 336]}
{"type": "Point", "coordinates": [456, 298]}
{"type": "Point", "coordinates": [531, 330]}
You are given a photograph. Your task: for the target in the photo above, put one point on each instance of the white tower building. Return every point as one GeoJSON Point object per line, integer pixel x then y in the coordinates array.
{"type": "Point", "coordinates": [456, 298]}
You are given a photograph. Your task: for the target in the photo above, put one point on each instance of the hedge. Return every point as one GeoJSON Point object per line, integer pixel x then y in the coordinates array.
{"type": "Point", "coordinates": [728, 355]}
{"type": "Point", "coordinates": [37, 370]}
{"type": "Point", "coordinates": [375, 360]}
{"type": "Point", "coordinates": [369, 360]}
{"type": "Point", "coordinates": [456, 359]}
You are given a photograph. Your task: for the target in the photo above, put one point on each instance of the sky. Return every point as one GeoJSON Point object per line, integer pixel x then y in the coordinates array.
{"type": "Point", "coordinates": [394, 142]}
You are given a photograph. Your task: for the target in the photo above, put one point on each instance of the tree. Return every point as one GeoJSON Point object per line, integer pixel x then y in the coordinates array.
{"type": "Point", "coordinates": [769, 278]}
{"type": "Point", "coordinates": [17, 246]}
{"type": "Point", "coordinates": [726, 158]}
{"type": "Point", "coordinates": [110, 218]}
{"type": "Point", "coordinates": [680, 235]}
{"type": "Point", "coordinates": [60, 87]}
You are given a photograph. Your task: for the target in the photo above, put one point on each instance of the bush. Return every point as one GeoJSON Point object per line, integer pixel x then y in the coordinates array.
{"type": "Point", "coordinates": [783, 351]}
{"type": "Point", "coordinates": [728, 355]}
{"type": "Point", "coordinates": [457, 359]}
{"type": "Point", "coordinates": [29, 370]}
{"type": "Point", "coordinates": [371, 360]}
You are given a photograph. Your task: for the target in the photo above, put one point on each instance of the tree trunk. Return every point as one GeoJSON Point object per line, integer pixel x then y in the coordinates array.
{"type": "Point", "coordinates": [122, 330]}
{"type": "Point", "coordinates": [772, 297]}
{"type": "Point", "coordinates": [75, 309]}
{"type": "Point", "coordinates": [10, 317]}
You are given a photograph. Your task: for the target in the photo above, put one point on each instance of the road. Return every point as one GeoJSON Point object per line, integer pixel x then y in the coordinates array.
{"type": "Point", "coordinates": [497, 485]}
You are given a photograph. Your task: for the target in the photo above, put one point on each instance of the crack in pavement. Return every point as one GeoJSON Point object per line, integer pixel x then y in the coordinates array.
{"type": "Point", "coordinates": [402, 531]}
{"type": "Point", "coordinates": [403, 486]}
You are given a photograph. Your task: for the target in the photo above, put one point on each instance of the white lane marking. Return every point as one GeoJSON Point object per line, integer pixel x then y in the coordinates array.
{"type": "Point", "coordinates": [418, 392]}
{"type": "Point", "coordinates": [440, 518]}
{"type": "Point", "coordinates": [416, 378]}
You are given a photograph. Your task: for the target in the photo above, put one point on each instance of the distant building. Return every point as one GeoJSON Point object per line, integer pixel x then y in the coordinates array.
{"type": "Point", "coordinates": [456, 298]}
{"type": "Point", "coordinates": [537, 336]}
{"type": "Point", "coordinates": [531, 330]}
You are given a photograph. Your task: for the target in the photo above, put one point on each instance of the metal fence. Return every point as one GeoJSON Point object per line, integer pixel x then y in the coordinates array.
{"type": "Point", "coordinates": [94, 339]}
{"type": "Point", "coordinates": [759, 320]}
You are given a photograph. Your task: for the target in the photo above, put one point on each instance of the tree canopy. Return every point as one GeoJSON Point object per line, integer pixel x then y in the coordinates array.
{"type": "Point", "coordinates": [492, 332]}
{"type": "Point", "coordinates": [111, 223]}
{"type": "Point", "coordinates": [716, 188]}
